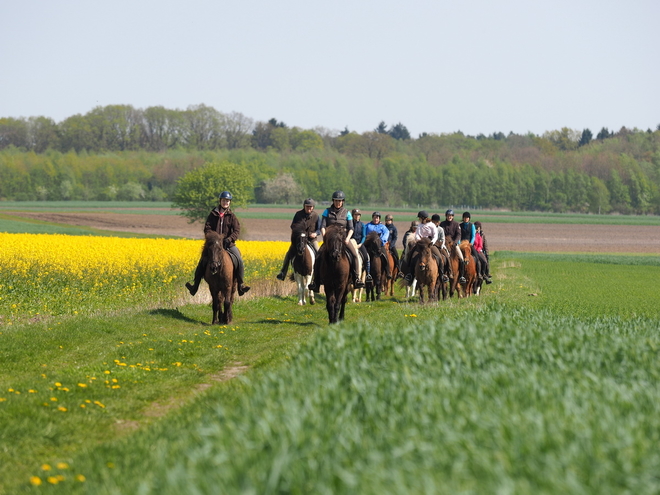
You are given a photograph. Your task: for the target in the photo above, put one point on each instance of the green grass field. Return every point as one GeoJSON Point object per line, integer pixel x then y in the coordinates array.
{"type": "Point", "coordinates": [547, 383]}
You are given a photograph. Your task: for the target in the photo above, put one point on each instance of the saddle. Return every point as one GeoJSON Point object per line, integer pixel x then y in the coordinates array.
{"type": "Point", "coordinates": [234, 260]}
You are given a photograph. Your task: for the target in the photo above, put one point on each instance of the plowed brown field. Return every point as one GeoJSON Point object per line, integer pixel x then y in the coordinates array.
{"type": "Point", "coordinates": [501, 236]}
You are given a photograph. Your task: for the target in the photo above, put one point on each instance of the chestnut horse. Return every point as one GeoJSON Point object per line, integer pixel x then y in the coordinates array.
{"type": "Point", "coordinates": [335, 271]}
{"type": "Point", "coordinates": [394, 270]}
{"type": "Point", "coordinates": [220, 277]}
{"type": "Point", "coordinates": [426, 270]}
{"type": "Point", "coordinates": [378, 272]}
{"type": "Point", "coordinates": [466, 289]}
{"type": "Point", "coordinates": [303, 264]}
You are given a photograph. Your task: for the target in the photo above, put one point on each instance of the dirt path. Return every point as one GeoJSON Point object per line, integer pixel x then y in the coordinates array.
{"type": "Point", "coordinates": [501, 236]}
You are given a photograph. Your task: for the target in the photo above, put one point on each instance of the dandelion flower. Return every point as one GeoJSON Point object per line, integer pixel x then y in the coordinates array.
{"type": "Point", "coordinates": [35, 481]}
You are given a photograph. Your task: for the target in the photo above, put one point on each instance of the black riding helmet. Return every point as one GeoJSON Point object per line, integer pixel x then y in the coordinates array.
{"type": "Point", "coordinates": [449, 212]}
{"type": "Point", "coordinates": [225, 195]}
{"type": "Point", "coordinates": [466, 215]}
{"type": "Point", "coordinates": [375, 214]}
{"type": "Point", "coordinates": [338, 195]}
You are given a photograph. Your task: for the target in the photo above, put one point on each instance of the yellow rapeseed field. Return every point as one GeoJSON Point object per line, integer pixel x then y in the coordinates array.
{"type": "Point", "coordinates": [59, 274]}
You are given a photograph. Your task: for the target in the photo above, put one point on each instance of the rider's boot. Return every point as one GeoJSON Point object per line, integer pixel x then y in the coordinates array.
{"type": "Point", "coordinates": [388, 272]}
{"type": "Point", "coordinates": [369, 269]}
{"type": "Point", "coordinates": [461, 266]}
{"type": "Point", "coordinates": [315, 286]}
{"type": "Point", "coordinates": [199, 275]}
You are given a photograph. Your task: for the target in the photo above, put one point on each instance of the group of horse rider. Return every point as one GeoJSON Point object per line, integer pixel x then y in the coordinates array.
{"type": "Point", "coordinates": [223, 221]}
{"type": "Point", "coordinates": [442, 232]}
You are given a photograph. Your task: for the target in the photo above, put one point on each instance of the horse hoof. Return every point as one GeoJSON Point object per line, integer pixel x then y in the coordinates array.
{"type": "Point", "coordinates": [300, 303]}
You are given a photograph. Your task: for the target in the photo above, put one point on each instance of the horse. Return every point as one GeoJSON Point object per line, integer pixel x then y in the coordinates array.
{"type": "Point", "coordinates": [445, 269]}
{"type": "Point", "coordinates": [463, 290]}
{"type": "Point", "coordinates": [335, 271]}
{"type": "Point", "coordinates": [394, 270]}
{"type": "Point", "coordinates": [356, 294]}
{"type": "Point", "coordinates": [410, 244]}
{"type": "Point", "coordinates": [303, 264]}
{"type": "Point", "coordinates": [426, 270]}
{"type": "Point", "coordinates": [378, 271]}
{"type": "Point", "coordinates": [470, 268]}
{"type": "Point", "coordinates": [219, 276]}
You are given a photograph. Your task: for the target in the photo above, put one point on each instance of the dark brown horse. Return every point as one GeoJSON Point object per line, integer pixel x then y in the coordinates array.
{"type": "Point", "coordinates": [378, 272]}
{"type": "Point", "coordinates": [427, 272]}
{"type": "Point", "coordinates": [335, 271]}
{"type": "Point", "coordinates": [303, 264]}
{"type": "Point", "coordinates": [220, 277]}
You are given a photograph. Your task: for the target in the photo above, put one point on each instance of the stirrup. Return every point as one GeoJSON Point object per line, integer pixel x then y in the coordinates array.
{"type": "Point", "coordinates": [243, 289]}
{"type": "Point", "coordinates": [358, 284]}
{"type": "Point", "coordinates": [462, 280]}
{"type": "Point", "coordinates": [369, 277]}
{"type": "Point", "coordinates": [445, 278]}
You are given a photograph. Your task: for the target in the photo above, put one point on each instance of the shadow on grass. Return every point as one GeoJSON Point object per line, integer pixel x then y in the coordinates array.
{"type": "Point", "coordinates": [277, 321]}
{"type": "Point", "coordinates": [174, 314]}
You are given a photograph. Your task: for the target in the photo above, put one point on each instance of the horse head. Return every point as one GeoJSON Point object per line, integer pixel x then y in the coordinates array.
{"type": "Point", "coordinates": [425, 255]}
{"type": "Point", "coordinates": [334, 238]}
{"type": "Point", "coordinates": [299, 238]}
{"type": "Point", "coordinates": [372, 243]}
{"type": "Point", "coordinates": [214, 246]}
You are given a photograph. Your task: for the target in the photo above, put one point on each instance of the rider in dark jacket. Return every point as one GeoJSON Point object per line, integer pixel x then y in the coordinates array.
{"type": "Point", "coordinates": [394, 235]}
{"type": "Point", "coordinates": [223, 221]}
{"type": "Point", "coordinates": [310, 222]}
{"type": "Point", "coordinates": [453, 232]}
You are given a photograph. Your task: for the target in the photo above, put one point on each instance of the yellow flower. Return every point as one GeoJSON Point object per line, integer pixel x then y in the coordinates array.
{"type": "Point", "coordinates": [35, 480]}
{"type": "Point", "coordinates": [62, 409]}
{"type": "Point", "coordinates": [80, 477]}
{"type": "Point", "coordinates": [45, 467]}
{"type": "Point", "coordinates": [62, 465]}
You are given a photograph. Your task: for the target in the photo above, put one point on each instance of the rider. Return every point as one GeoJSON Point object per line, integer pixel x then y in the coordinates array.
{"type": "Point", "coordinates": [340, 215]}
{"type": "Point", "coordinates": [310, 222]}
{"type": "Point", "coordinates": [453, 231]}
{"type": "Point", "coordinates": [481, 246]}
{"type": "Point", "coordinates": [358, 237]}
{"type": "Point", "coordinates": [394, 235]}
{"type": "Point", "coordinates": [383, 233]}
{"type": "Point", "coordinates": [468, 233]}
{"type": "Point", "coordinates": [223, 221]}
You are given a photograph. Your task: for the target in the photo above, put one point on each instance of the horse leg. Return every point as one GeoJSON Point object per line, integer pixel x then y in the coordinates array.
{"type": "Point", "coordinates": [216, 306]}
{"type": "Point", "coordinates": [330, 305]}
{"type": "Point", "coordinates": [342, 306]}
{"type": "Point", "coordinates": [310, 293]}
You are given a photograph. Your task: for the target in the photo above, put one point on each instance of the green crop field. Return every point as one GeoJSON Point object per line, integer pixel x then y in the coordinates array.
{"type": "Point", "coordinates": [546, 383]}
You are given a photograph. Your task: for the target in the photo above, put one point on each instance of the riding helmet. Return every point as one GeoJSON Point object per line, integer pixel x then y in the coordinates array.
{"type": "Point", "coordinates": [375, 214]}
{"type": "Point", "coordinates": [449, 212]}
{"type": "Point", "coordinates": [356, 212]}
{"type": "Point", "coordinates": [466, 214]}
{"type": "Point", "coordinates": [309, 201]}
{"type": "Point", "coordinates": [388, 217]}
{"type": "Point", "coordinates": [225, 195]}
{"type": "Point", "coordinates": [435, 217]}
{"type": "Point", "coordinates": [423, 214]}
{"type": "Point", "coordinates": [338, 195]}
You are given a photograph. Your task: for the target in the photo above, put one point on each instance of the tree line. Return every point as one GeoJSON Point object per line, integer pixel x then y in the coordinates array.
{"type": "Point", "coordinates": [118, 152]}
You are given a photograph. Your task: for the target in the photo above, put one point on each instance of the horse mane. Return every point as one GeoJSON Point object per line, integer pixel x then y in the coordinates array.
{"type": "Point", "coordinates": [465, 248]}
{"type": "Point", "coordinates": [424, 243]}
{"type": "Point", "coordinates": [212, 237]}
{"type": "Point", "coordinates": [298, 229]}
{"type": "Point", "coordinates": [334, 236]}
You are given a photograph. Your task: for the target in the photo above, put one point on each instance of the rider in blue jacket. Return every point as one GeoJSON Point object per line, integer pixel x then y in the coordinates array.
{"type": "Point", "coordinates": [383, 233]}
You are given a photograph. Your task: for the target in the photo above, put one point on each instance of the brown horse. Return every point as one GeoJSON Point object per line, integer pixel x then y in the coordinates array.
{"type": "Point", "coordinates": [303, 264]}
{"type": "Point", "coordinates": [378, 272]}
{"type": "Point", "coordinates": [335, 271]}
{"type": "Point", "coordinates": [394, 270]}
{"type": "Point", "coordinates": [454, 265]}
{"type": "Point", "coordinates": [220, 277]}
{"type": "Point", "coordinates": [426, 270]}
{"type": "Point", "coordinates": [466, 289]}
{"type": "Point", "coordinates": [470, 268]}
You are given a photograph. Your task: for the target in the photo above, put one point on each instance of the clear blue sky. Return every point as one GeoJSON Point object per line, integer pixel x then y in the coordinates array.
{"type": "Point", "coordinates": [437, 66]}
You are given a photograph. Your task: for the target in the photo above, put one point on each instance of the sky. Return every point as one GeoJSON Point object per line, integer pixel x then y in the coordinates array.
{"type": "Point", "coordinates": [436, 66]}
